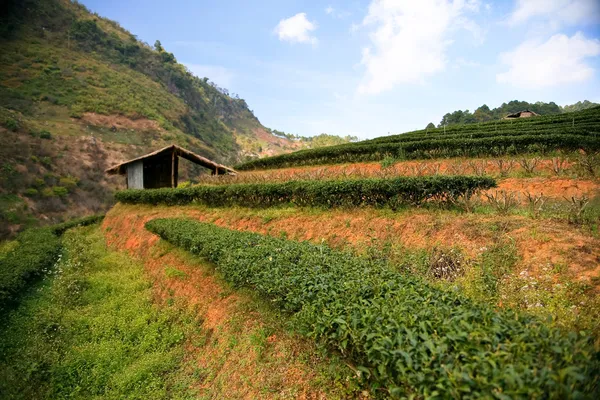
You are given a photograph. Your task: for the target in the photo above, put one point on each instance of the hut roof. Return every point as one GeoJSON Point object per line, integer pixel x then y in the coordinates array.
{"type": "Point", "coordinates": [518, 114]}
{"type": "Point", "coordinates": [179, 151]}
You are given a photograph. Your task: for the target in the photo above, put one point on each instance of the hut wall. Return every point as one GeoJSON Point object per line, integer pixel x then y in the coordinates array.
{"type": "Point", "coordinates": [157, 171]}
{"type": "Point", "coordinates": [135, 175]}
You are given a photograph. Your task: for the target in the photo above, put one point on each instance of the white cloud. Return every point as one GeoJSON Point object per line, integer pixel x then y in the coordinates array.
{"type": "Point", "coordinates": [461, 62]}
{"type": "Point", "coordinates": [219, 75]}
{"type": "Point", "coordinates": [559, 60]}
{"type": "Point", "coordinates": [336, 13]}
{"type": "Point", "coordinates": [296, 29]}
{"type": "Point", "coordinates": [410, 39]}
{"type": "Point", "coordinates": [556, 12]}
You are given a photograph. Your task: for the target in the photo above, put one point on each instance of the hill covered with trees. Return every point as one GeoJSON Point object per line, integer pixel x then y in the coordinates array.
{"type": "Point", "coordinates": [79, 93]}
{"type": "Point", "coordinates": [485, 114]}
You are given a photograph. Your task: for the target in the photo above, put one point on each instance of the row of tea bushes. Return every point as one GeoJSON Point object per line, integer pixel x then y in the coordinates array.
{"type": "Point", "coordinates": [59, 229]}
{"type": "Point", "coordinates": [584, 123]}
{"type": "Point", "coordinates": [334, 193]}
{"type": "Point", "coordinates": [430, 148]}
{"type": "Point", "coordinates": [409, 338]}
{"type": "Point", "coordinates": [35, 252]}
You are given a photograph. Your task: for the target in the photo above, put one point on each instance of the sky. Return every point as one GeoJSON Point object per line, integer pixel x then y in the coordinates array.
{"type": "Point", "coordinates": [373, 67]}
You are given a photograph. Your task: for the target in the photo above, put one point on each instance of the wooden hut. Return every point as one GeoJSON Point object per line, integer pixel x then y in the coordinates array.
{"type": "Point", "coordinates": [159, 169]}
{"type": "Point", "coordinates": [522, 114]}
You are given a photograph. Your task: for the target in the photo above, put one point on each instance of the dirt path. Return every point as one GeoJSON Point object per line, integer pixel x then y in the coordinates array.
{"type": "Point", "coordinates": [241, 354]}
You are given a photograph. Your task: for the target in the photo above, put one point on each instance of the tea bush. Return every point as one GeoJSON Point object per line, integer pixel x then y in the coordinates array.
{"type": "Point", "coordinates": [570, 131]}
{"type": "Point", "coordinates": [409, 338]}
{"type": "Point", "coordinates": [360, 192]}
{"type": "Point", "coordinates": [426, 147]}
{"type": "Point", "coordinates": [59, 229]}
{"type": "Point", "coordinates": [37, 250]}
{"type": "Point", "coordinates": [35, 253]}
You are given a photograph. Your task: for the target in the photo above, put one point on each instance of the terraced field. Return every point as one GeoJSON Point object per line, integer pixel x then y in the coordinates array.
{"type": "Point", "coordinates": [565, 132]}
{"type": "Point", "coordinates": [500, 218]}
{"type": "Point", "coordinates": [433, 270]}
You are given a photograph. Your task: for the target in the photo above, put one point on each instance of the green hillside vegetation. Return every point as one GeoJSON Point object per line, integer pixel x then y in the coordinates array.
{"type": "Point", "coordinates": [321, 140]}
{"type": "Point", "coordinates": [333, 193]}
{"type": "Point", "coordinates": [89, 64]}
{"type": "Point", "coordinates": [78, 93]}
{"type": "Point", "coordinates": [546, 134]}
{"type": "Point", "coordinates": [404, 335]}
{"type": "Point", "coordinates": [485, 114]}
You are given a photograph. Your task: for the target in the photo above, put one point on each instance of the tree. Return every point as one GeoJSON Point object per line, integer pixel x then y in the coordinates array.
{"type": "Point", "coordinates": [430, 126]}
{"type": "Point", "coordinates": [483, 114]}
{"type": "Point", "coordinates": [158, 46]}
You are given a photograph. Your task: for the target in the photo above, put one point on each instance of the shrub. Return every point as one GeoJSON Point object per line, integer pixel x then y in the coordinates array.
{"type": "Point", "coordinates": [31, 192]}
{"type": "Point", "coordinates": [11, 124]}
{"type": "Point", "coordinates": [59, 229]}
{"type": "Point", "coordinates": [410, 338]}
{"type": "Point", "coordinates": [60, 191]}
{"type": "Point", "coordinates": [48, 192]}
{"type": "Point", "coordinates": [68, 182]}
{"type": "Point", "coordinates": [424, 149]}
{"type": "Point", "coordinates": [45, 135]}
{"type": "Point", "coordinates": [359, 192]}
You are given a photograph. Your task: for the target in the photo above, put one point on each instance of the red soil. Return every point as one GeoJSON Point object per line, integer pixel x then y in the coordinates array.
{"type": "Point", "coordinates": [551, 187]}
{"type": "Point", "coordinates": [540, 242]}
{"type": "Point", "coordinates": [217, 308]}
{"type": "Point", "coordinates": [403, 168]}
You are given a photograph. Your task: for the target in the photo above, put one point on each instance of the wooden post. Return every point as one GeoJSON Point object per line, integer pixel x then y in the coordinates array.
{"type": "Point", "coordinates": [173, 169]}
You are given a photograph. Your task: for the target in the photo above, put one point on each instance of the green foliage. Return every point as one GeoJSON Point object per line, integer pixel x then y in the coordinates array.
{"type": "Point", "coordinates": [484, 113]}
{"type": "Point", "coordinates": [579, 106]}
{"type": "Point", "coordinates": [45, 135]}
{"type": "Point", "coordinates": [93, 332]}
{"type": "Point", "coordinates": [60, 191]}
{"type": "Point", "coordinates": [388, 162]}
{"type": "Point", "coordinates": [353, 193]}
{"type": "Point", "coordinates": [407, 337]}
{"type": "Point", "coordinates": [537, 135]}
{"type": "Point", "coordinates": [48, 192]}
{"type": "Point", "coordinates": [175, 273]}
{"type": "Point", "coordinates": [11, 124]}
{"type": "Point", "coordinates": [68, 182]}
{"type": "Point", "coordinates": [36, 253]}
{"type": "Point", "coordinates": [90, 64]}
{"type": "Point", "coordinates": [31, 192]}
{"type": "Point", "coordinates": [59, 229]}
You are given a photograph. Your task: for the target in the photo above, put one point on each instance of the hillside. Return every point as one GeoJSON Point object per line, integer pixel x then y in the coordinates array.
{"type": "Point", "coordinates": [79, 93]}
{"type": "Point", "coordinates": [485, 114]}
{"type": "Point", "coordinates": [539, 135]}
{"type": "Point", "coordinates": [443, 262]}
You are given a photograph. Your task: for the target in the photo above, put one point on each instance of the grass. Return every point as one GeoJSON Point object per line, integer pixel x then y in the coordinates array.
{"type": "Point", "coordinates": [252, 348]}
{"type": "Point", "coordinates": [92, 331]}
{"type": "Point", "coordinates": [488, 273]}
{"type": "Point", "coordinates": [96, 329]}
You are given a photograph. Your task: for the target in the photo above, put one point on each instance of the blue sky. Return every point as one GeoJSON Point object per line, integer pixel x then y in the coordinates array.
{"type": "Point", "coordinates": [370, 67]}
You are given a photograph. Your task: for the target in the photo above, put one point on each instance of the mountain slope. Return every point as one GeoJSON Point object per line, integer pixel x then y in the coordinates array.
{"type": "Point", "coordinates": [79, 93]}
